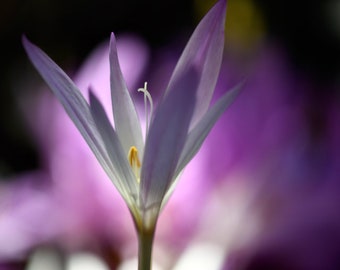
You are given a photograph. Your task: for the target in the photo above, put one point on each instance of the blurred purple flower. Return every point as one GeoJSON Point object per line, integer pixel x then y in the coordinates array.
{"type": "Point", "coordinates": [288, 165]}
{"type": "Point", "coordinates": [275, 186]}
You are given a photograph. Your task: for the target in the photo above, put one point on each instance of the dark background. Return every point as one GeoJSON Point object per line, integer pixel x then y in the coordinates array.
{"type": "Point", "coordinates": [68, 30]}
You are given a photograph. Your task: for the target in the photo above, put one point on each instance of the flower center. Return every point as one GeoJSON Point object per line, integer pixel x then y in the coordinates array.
{"type": "Point", "coordinates": [148, 113]}
{"type": "Point", "coordinates": [134, 162]}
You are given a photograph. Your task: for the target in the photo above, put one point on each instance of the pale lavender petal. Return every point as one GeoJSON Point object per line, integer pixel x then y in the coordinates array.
{"type": "Point", "coordinates": [204, 51]}
{"type": "Point", "coordinates": [167, 135]}
{"type": "Point", "coordinates": [124, 112]}
{"type": "Point", "coordinates": [123, 177]}
{"type": "Point", "coordinates": [68, 94]}
{"type": "Point", "coordinates": [95, 71]}
{"type": "Point", "coordinates": [198, 134]}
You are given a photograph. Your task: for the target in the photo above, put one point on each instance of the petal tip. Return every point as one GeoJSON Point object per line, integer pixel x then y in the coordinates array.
{"type": "Point", "coordinates": [25, 42]}
{"type": "Point", "coordinates": [220, 8]}
{"type": "Point", "coordinates": [223, 3]}
{"type": "Point", "coordinates": [112, 40]}
{"type": "Point", "coordinates": [112, 36]}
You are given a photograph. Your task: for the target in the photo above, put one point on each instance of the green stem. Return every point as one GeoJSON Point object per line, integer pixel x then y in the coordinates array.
{"type": "Point", "coordinates": [145, 242]}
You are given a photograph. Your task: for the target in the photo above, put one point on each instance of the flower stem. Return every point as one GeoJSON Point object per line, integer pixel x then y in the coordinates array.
{"type": "Point", "coordinates": [145, 242]}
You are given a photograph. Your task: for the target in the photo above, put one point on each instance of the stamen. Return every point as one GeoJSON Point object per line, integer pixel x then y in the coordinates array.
{"type": "Point", "coordinates": [147, 97]}
{"type": "Point", "coordinates": [134, 162]}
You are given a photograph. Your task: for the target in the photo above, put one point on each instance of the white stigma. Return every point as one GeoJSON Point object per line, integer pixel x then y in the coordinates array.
{"type": "Point", "coordinates": [148, 113]}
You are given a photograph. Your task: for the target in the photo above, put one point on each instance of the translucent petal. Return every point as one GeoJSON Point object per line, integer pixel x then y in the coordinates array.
{"type": "Point", "coordinates": [125, 181]}
{"type": "Point", "coordinates": [124, 112]}
{"type": "Point", "coordinates": [204, 51]}
{"type": "Point", "coordinates": [167, 135]}
{"type": "Point", "coordinates": [198, 134]}
{"type": "Point", "coordinates": [68, 94]}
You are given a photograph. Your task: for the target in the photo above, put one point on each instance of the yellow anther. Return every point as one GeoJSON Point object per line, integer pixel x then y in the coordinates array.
{"type": "Point", "coordinates": [133, 157]}
{"type": "Point", "coordinates": [134, 162]}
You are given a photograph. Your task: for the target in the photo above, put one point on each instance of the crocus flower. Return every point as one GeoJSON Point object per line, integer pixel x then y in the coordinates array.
{"type": "Point", "coordinates": [145, 173]}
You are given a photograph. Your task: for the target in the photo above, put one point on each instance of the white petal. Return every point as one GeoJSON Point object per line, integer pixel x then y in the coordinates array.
{"type": "Point", "coordinates": [70, 97]}
{"type": "Point", "coordinates": [204, 50]}
{"type": "Point", "coordinates": [124, 112]}
{"type": "Point", "coordinates": [124, 179]}
{"type": "Point", "coordinates": [166, 139]}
